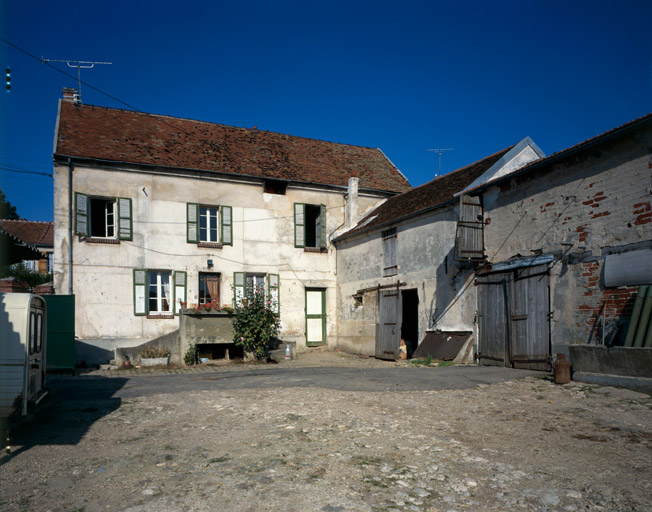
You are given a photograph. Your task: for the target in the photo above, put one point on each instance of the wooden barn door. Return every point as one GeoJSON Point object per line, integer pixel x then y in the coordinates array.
{"type": "Point", "coordinates": [529, 314]}
{"type": "Point", "coordinates": [388, 330]}
{"type": "Point", "coordinates": [492, 319]}
{"type": "Point", "coordinates": [513, 319]}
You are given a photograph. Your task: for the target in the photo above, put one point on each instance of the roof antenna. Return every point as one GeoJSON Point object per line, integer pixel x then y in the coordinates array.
{"type": "Point", "coordinates": [439, 150]}
{"type": "Point", "coordinates": [79, 64]}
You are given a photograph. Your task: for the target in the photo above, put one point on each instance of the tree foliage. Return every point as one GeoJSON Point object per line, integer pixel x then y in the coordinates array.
{"type": "Point", "coordinates": [256, 325]}
{"type": "Point", "coordinates": [7, 210]}
{"type": "Point", "coordinates": [31, 277]}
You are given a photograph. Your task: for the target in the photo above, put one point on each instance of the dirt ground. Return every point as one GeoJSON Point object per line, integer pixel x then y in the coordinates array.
{"type": "Point", "coordinates": [525, 444]}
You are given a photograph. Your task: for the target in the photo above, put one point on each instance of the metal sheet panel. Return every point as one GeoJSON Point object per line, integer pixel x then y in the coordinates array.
{"type": "Point", "coordinates": [444, 346]}
{"type": "Point", "coordinates": [627, 269]}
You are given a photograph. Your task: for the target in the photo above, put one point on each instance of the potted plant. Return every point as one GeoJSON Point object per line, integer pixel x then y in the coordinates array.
{"type": "Point", "coordinates": [154, 356]}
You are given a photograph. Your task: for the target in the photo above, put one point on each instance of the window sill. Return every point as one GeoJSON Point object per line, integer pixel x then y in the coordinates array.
{"type": "Point", "coordinates": [315, 249]}
{"type": "Point", "coordinates": [95, 240]}
{"type": "Point", "coordinates": [209, 245]}
{"type": "Point", "coordinates": [161, 317]}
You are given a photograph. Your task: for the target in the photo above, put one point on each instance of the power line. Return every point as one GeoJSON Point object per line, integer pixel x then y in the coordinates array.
{"type": "Point", "coordinates": [8, 169]}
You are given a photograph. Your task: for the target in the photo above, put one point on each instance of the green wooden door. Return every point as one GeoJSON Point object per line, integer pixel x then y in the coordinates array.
{"type": "Point", "coordinates": [60, 348]}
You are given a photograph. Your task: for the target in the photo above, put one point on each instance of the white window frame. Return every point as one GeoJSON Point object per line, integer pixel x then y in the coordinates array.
{"type": "Point", "coordinates": [160, 295]}
{"type": "Point", "coordinates": [209, 234]}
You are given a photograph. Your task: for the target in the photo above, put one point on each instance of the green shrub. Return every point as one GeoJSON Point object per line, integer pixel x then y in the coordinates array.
{"type": "Point", "coordinates": [256, 325]}
{"type": "Point", "coordinates": [190, 357]}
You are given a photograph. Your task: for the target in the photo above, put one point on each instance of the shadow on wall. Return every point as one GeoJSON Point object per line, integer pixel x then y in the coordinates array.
{"type": "Point", "coordinates": [450, 274]}
{"type": "Point", "coordinates": [91, 355]}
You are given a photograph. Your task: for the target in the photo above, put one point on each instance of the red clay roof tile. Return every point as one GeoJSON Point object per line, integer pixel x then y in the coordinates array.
{"type": "Point", "coordinates": [124, 136]}
{"type": "Point", "coordinates": [39, 234]}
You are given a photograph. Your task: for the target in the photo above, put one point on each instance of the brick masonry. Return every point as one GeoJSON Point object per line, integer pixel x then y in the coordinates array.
{"type": "Point", "coordinates": [597, 199]}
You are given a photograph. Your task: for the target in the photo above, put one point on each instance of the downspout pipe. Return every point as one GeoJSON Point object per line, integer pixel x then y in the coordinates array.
{"type": "Point", "coordinates": [70, 229]}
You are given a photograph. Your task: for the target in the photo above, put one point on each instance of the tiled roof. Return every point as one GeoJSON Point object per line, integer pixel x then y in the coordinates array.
{"type": "Point", "coordinates": [39, 234]}
{"type": "Point", "coordinates": [124, 136]}
{"type": "Point", "coordinates": [434, 193]}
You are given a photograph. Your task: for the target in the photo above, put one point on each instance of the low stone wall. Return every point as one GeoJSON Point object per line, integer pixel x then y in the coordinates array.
{"type": "Point", "coordinates": [631, 362]}
{"type": "Point", "coordinates": [204, 327]}
{"type": "Point", "coordinates": [169, 341]}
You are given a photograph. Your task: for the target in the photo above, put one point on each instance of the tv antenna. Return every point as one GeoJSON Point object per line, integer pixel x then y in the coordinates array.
{"type": "Point", "coordinates": [440, 150]}
{"type": "Point", "coordinates": [79, 64]}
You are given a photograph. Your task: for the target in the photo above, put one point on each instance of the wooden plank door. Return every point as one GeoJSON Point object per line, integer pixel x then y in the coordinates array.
{"type": "Point", "coordinates": [315, 316]}
{"type": "Point", "coordinates": [493, 333]}
{"type": "Point", "coordinates": [529, 314]}
{"type": "Point", "coordinates": [388, 329]}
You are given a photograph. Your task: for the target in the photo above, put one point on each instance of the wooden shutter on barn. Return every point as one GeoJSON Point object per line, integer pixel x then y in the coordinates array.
{"type": "Point", "coordinates": [469, 237]}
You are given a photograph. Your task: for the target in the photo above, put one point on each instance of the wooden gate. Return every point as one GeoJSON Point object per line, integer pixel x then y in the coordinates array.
{"type": "Point", "coordinates": [513, 318]}
{"type": "Point", "coordinates": [388, 329]}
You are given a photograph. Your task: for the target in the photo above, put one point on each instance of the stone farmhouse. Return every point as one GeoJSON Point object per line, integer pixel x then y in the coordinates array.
{"type": "Point", "coordinates": [152, 212]}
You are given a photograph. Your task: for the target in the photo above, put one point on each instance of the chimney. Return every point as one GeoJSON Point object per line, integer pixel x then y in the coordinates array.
{"type": "Point", "coordinates": [70, 95]}
{"type": "Point", "coordinates": [351, 209]}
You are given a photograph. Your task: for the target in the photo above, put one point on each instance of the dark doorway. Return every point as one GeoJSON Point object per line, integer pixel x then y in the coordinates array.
{"type": "Point", "coordinates": [410, 322]}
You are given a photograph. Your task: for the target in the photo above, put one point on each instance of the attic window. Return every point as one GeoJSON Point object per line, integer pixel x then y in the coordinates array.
{"type": "Point", "coordinates": [276, 187]}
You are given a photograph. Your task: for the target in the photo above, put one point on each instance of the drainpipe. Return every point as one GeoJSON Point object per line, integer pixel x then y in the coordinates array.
{"type": "Point", "coordinates": [70, 234]}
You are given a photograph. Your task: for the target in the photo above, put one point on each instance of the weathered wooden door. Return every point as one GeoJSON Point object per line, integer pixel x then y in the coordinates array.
{"type": "Point", "coordinates": [388, 329]}
{"type": "Point", "coordinates": [529, 314]}
{"type": "Point", "coordinates": [513, 318]}
{"type": "Point", "coordinates": [492, 319]}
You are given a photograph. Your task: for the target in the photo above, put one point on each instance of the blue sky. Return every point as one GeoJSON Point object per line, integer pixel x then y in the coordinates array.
{"type": "Point", "coordinates": [402, 76]}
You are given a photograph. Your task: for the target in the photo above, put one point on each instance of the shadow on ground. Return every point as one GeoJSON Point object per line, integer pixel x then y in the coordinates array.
{"type": "Point", "coordinates": [67, 414]}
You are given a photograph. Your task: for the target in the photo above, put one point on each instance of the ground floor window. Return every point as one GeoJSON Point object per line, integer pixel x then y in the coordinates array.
{"type": "Point", "coordinates": [158, 292]}
{"type": "Point", "coordinates": [246, 284]}
{"type": "Point", "coordinates": [209, 288]}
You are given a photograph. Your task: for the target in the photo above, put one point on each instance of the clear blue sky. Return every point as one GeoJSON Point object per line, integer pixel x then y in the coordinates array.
{"type": "Point", "coordinates": [406, 76]}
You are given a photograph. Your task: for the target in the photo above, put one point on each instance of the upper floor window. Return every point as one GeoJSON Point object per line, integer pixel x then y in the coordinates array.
{"type": "Point", "coordinates": [103, 217]}
{"type": "Point", "coordinates": [209, 225]}
{"type": "Point", "coordinates": [310, 225]}
{"type": "Point", "coordinates": [390, 268]}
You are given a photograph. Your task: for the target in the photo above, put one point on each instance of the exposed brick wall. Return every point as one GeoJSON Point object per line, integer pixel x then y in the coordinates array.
{"type": "Point", "coordinates": [12, 284]}
{"type": "Point", "coordinates": [596, 301]}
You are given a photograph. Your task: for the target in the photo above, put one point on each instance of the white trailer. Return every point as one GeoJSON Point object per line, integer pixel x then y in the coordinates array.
{"type": "Point", "coordinates": [23, 341]}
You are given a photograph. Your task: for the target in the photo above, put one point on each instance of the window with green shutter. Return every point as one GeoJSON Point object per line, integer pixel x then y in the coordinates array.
{"type": "Point", "coordinates": [209, 226]}
{"type": "Point", "coordinates": [103, 219]}
{"type": "Point", "coordinates": [310, 225]}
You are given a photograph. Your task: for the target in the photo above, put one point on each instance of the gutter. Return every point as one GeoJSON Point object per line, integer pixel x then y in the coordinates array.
{"type": "Point", "coordinates": [70, 230]}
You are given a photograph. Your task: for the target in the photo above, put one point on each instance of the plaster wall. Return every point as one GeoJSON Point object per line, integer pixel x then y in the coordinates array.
{"type": "Point", "coordinates": [580, 209]}
{"type": "Point", "coordinates": [425, 263]}
{"type": "Point", "coordinates": [263, 242]}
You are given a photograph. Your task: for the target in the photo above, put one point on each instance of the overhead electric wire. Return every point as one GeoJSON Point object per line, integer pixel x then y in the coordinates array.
{"type": "Point", "coordinates": [8, 169]}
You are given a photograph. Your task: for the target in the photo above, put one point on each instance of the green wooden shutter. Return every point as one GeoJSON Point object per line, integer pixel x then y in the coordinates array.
{"type": "Point", "coordinates": [299, 227]}
{"type": "Point", "coordinates": [81, 214]}
{"type": "Point", "coordinates": [238, 288]}
{"type": "Point", "coordinates": [227, 225]}
{"type": "Point", "coordinates": [180, 283]}
{"type": "Point", "coordinates": [140, 289]}
{"type": "Point", "coordinates": [192, 223]}
{"type": "Point", "coordinates": [273, 292]}
{"type": "Point", "coordinates": [124, 219]}
{"type": "Point", "coordinates": [321, 227]}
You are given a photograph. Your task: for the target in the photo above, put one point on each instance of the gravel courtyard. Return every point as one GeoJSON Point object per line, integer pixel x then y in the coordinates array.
{"type": "Point", "coordinates": [524, 444]}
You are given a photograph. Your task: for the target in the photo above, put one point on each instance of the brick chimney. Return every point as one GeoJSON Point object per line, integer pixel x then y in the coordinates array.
{"type": "Point", "coordinates": [70, 95]}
